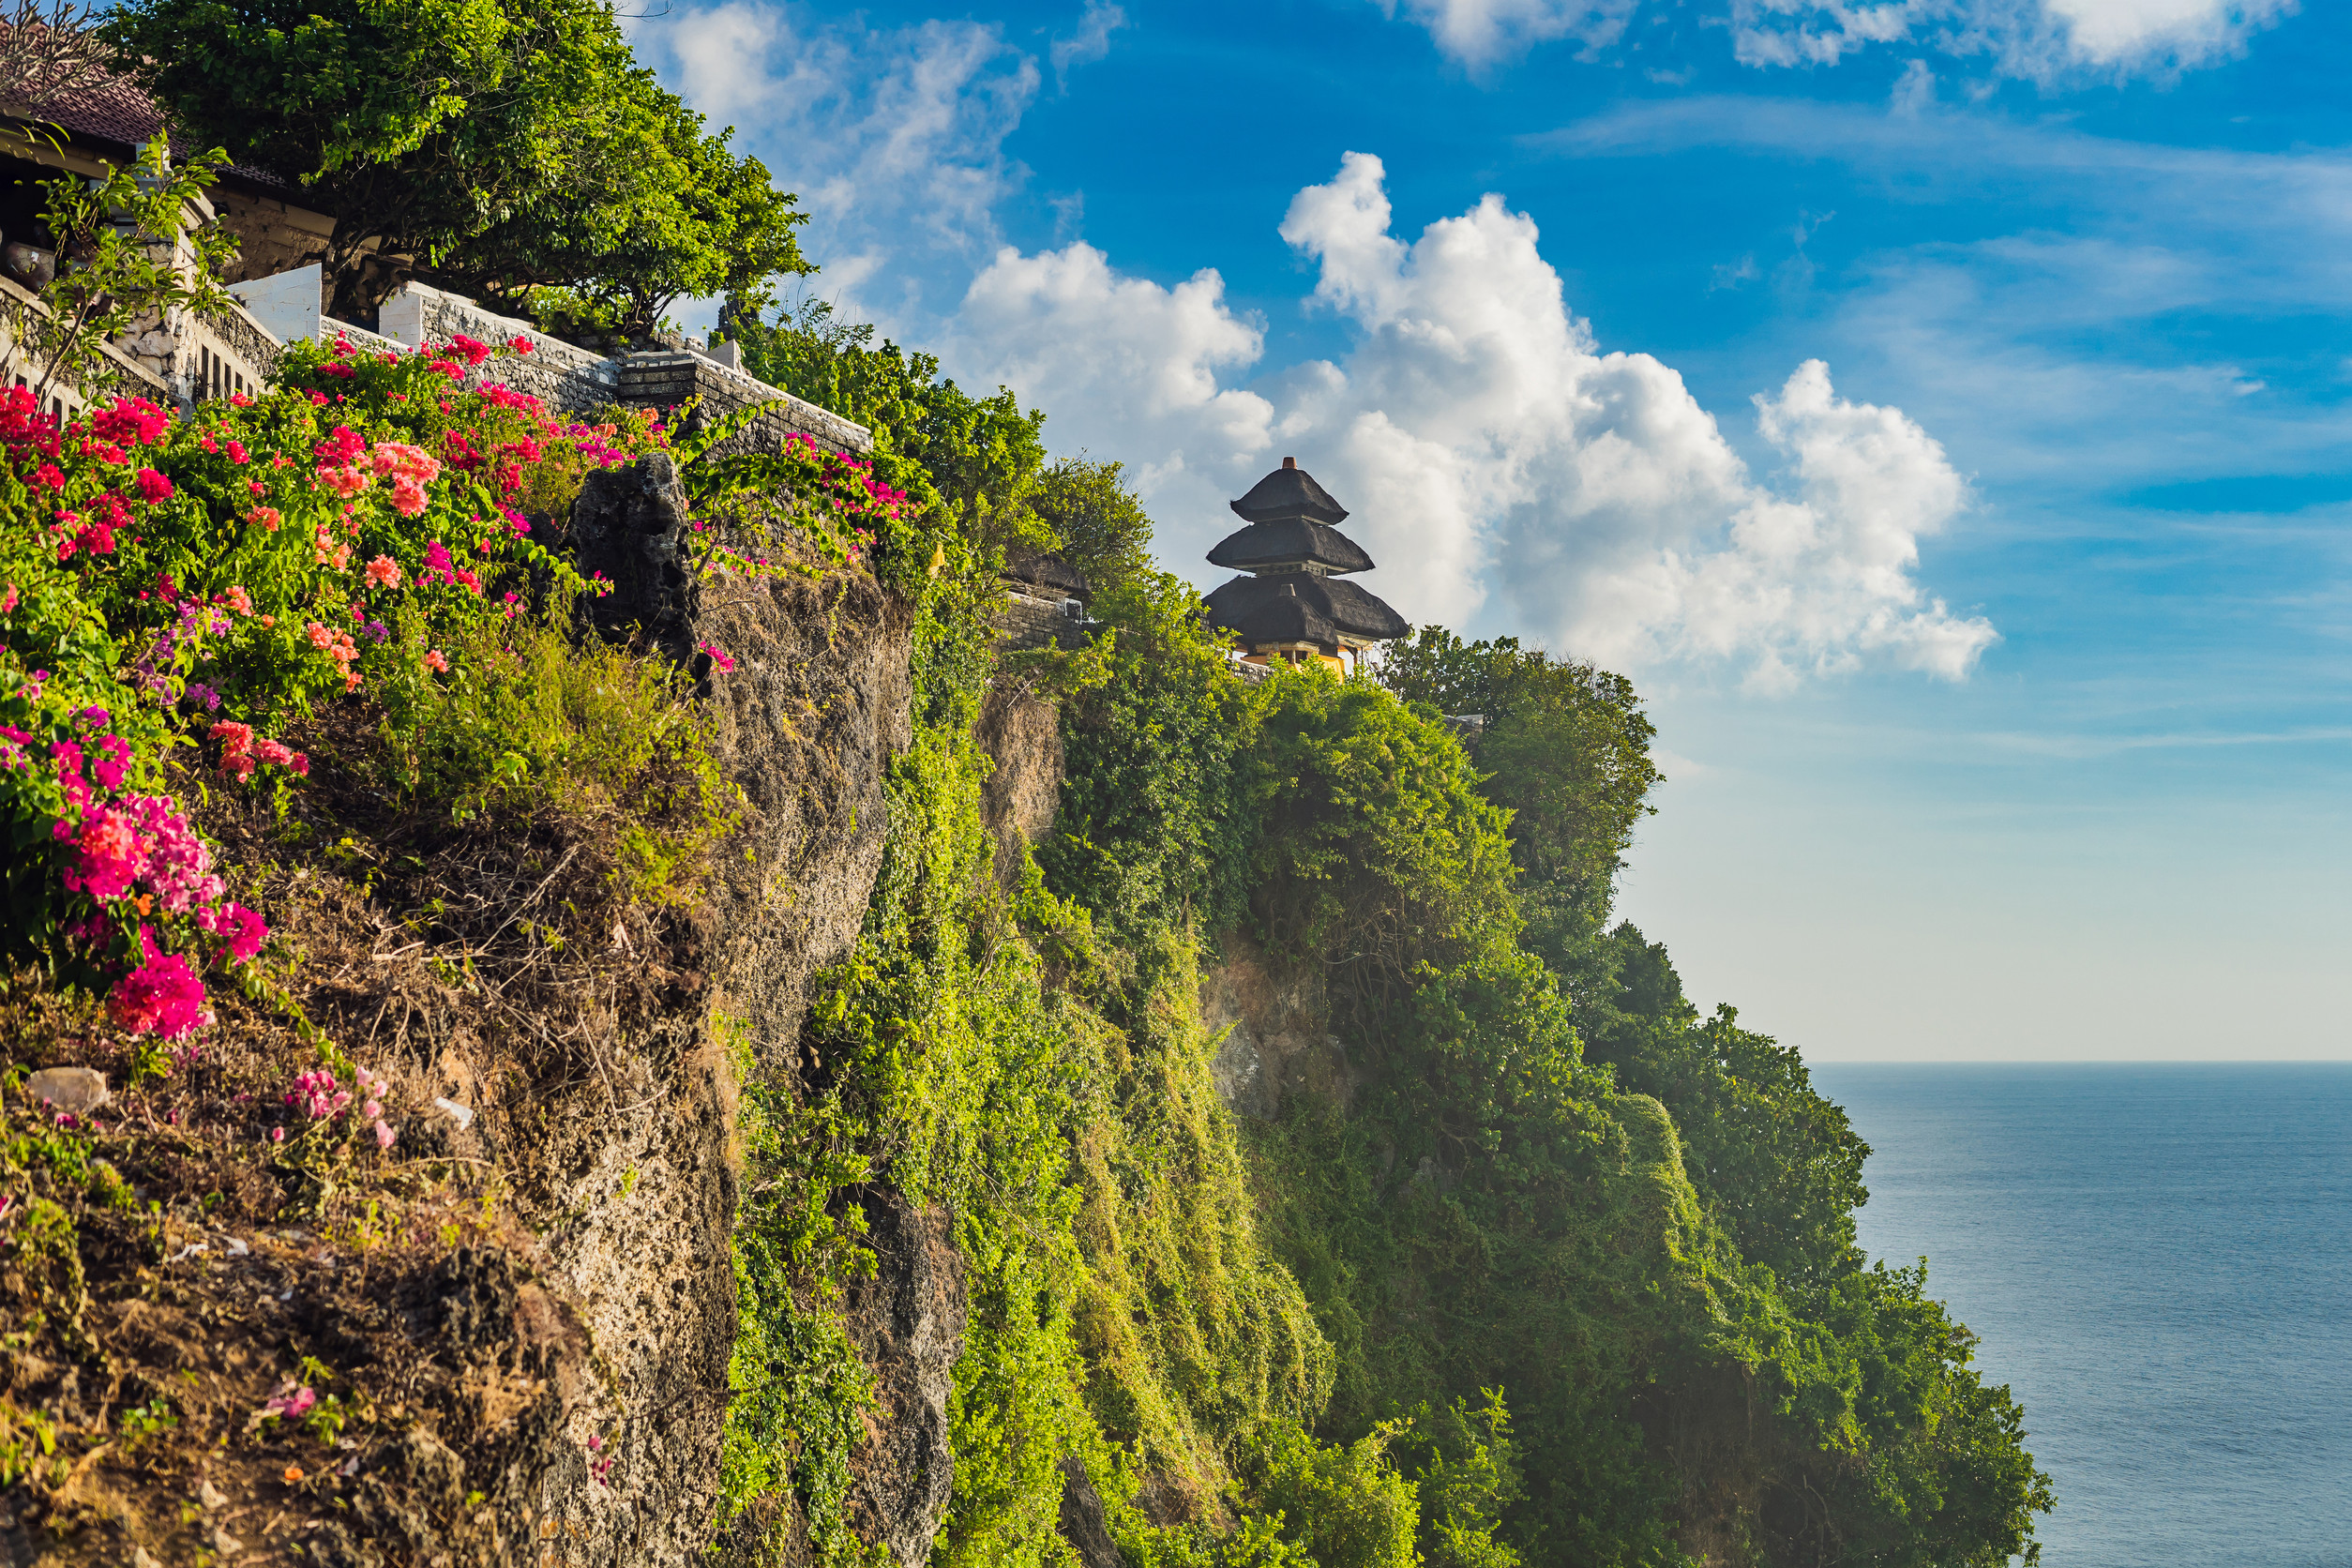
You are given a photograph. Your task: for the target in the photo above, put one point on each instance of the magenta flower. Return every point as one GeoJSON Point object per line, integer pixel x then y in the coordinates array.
{"type": "Point", "coordinates": [289, 1401]}
{"type": "Point", "coordinates": [161, 997]}
{"type": "Point", "coordinates": [720, 659]}
{"type": "Point", "coordinates": [244, 928]}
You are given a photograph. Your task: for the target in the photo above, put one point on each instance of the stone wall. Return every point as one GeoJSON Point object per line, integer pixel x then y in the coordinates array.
{"type": "Point", "coordinates": [1028, 622]}
{"type": "Point", "coordinates": [565, 376]}
{"type": "Point", "coordinates": [666, 379]}
{"type": "Point", "coordinates": [119, 371]}
{"type": "Point", "coordinates": [245, 338]}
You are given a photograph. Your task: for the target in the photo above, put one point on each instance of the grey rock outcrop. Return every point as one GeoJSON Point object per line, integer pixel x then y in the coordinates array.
{"type": "Point", "coordinates": [1275, 1021]}
{"type": "Point", "coordinates": [1082, 1524]}
{"type": "Point", "coordinates": [805, 725]}
{"type": "Point", "coordinates": [907, 1320]}
{"type": "Point", "coordinates": [1023, 733]}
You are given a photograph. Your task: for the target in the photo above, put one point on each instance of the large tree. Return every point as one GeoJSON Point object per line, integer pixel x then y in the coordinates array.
{"type": "Point", "coordinates": [490, 145]}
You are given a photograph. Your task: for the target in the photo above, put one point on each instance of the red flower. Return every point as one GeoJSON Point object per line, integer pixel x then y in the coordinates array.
{"type": "Point", "coordinates": [152, 486]}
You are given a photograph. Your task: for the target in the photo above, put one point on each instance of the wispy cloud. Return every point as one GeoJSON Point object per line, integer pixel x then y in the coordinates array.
{"type": "Point", "coordinates": [2084, 348]}
{"type": "Point", "coordinates": [2041, 40]}
{"type": "Point", "coordinates": [893, 138]}
{"type": "Point", "coordinates": [1087, 42]}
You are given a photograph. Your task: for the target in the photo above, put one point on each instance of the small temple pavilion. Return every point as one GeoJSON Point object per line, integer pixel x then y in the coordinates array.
{"type": "Point", "coordinates": [1291, 606]}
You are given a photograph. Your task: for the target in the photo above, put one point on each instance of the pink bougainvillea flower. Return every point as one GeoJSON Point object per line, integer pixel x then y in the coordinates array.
{"type": "Point", "coordinates": [236, 598]}
{"type": "Point", "coordinates": [719, 659]}
{"type": "Point", "coordinates": [132, 420]}
{"type": "Point", "coordinates": [318, 1095]}
{"type": "Point", "coordinates": [437, 661]}
{"type": "Point", "coordinates": [266, 518]}
{"type": "Point", "coordinates": [245, 929]}
{"type": "Point", "coordinates": [345, 482]}
{"type": "Point", "coordinates": [397, 457]}
{"type": "Point", "coordinates": [383, 572]}
{"type": "Point", "coordinates": [152, 486]}
{"type": "Point", "coordinates": [161, 997]}
{"type": "Point", "coordinates": [520, 343]}
{"type": "Point", "coordinates": [342, 445]}
{"type": "Point", "coordinates": [112, 855]}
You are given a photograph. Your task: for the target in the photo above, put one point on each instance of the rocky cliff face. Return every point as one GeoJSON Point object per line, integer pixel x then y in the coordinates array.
{"type": "Point", "coordinates": [807, 723]}
{"type": "Point", "coordinates": [1277, 1026]}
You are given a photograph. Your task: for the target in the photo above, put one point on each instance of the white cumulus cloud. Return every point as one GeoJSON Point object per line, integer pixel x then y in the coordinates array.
{"type": "Point", "coordinates": [1479, 32]}
{"type": "Point", "coordinates": [1508, 474]}
{"type": "Point", "coordinates": [1122, 364]}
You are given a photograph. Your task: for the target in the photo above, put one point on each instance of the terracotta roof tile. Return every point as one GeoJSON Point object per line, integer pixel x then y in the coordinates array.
{"type": "Point", "coordinates": [115, 109]}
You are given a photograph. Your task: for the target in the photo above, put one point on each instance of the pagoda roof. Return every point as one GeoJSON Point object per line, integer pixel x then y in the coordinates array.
{"type": "Point", "coordinates": [1286, 620]}
{"type": "Point", "coordinates": [1289, 491]}
{"type": "Point", "coordinates": [1289, 542]}
{"type": "Point", "coordinates": [1261, 609]}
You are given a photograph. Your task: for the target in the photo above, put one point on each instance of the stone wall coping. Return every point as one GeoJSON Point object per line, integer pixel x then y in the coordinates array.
{"type": "Point", "coordinates": [420, 304]}
{"type": "Point", "coordinates": [361, 338]}
{"type": "Point", "coordinates": [800, 409]}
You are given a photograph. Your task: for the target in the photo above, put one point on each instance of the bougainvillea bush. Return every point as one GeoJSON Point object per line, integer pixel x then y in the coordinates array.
{"type": "Point", "coordinates": [179, 596]}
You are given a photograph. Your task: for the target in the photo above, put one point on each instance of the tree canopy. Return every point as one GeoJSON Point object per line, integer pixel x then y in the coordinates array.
{"type": "Point", "coordinates": [490, 145]}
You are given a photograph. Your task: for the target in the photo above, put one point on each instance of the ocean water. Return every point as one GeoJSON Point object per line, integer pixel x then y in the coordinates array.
{"type": "Point", "coordinates": [2158, 1260]}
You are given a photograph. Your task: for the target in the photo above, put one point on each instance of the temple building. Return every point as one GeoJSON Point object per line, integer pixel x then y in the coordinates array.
{"type": "Point", "coordinates": [1291, 607]}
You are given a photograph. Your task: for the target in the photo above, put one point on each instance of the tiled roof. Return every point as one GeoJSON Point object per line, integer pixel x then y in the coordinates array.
{"type": "Point", "coordinates": [115, 109]}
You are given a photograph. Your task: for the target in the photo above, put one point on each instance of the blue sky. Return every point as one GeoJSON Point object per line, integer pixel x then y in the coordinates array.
{"type": "Point", "coordinates": [1940, 407]}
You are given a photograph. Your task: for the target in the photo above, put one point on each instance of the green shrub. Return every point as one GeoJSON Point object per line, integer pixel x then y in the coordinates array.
{"type": "Point", "coordinates": [1346, 1505]}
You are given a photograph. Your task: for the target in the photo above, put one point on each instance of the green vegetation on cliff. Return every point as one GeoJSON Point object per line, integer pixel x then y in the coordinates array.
{"type": "Point", "coordinates": [1575, 1279]}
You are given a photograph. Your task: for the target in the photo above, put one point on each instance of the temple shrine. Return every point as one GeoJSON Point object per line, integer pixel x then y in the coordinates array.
{"type": "Point", "coordinates": [1291, 606]}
